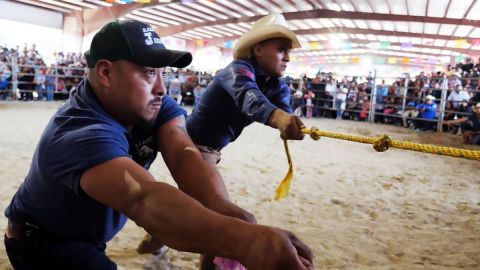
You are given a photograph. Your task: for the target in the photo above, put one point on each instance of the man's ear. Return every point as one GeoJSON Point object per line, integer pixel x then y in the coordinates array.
{"type": "Point", "coordinates": [257, 49]}
{"type": "Point", "coordinates": [103, 70]}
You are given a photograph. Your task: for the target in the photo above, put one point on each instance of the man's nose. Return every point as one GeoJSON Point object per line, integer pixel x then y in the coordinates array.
{"type": "Point", "coordinates": [159, 88]}
{"type": "Point", "coordinates": [286, 57]}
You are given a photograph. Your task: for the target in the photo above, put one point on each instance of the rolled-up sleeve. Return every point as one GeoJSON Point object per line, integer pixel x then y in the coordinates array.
{"type": "Point", "coordinates": [240, 83]}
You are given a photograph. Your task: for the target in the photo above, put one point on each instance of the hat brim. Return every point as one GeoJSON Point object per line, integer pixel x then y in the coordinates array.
{"type": "Point", "coordinates": [157, 58]}
{"type": "Point", "coordinates": [243, 47]}
{"type": "Point", "coordinates": [164, 58]}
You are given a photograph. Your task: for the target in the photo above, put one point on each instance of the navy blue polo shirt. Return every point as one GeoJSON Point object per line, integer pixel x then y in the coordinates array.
{"type": "Point", "coordinates": [238, 95]}
{"type": "Point", "coordinates": [80, 136]}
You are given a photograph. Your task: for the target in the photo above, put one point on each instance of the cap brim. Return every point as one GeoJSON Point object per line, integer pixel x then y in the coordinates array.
{"type": "Point", "coordinates": [164, 58]}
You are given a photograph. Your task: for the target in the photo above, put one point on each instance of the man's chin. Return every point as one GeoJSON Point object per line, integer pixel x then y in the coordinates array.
{"type": "Point", "coordinates": [148, 120]}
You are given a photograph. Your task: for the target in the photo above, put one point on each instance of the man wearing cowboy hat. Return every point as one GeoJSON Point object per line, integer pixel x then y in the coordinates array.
{"type": "Point", "coordinates": [470, 125]}
{"type": "Point", "coordinates": [249, 89]}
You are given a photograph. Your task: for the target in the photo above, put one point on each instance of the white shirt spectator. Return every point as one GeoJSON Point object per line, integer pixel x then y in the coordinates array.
{"type": "Point", "coordinates": [457, 97]}
{"type": "Point", "coordinates": [331, 88]}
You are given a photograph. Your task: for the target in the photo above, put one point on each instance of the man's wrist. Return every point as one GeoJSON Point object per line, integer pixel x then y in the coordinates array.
{"type": "Point", "coordinates": [275, 118]}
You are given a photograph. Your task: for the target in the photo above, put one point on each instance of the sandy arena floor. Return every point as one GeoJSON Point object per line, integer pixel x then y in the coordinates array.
{"type": "Point", "coordinates": [356, 208]}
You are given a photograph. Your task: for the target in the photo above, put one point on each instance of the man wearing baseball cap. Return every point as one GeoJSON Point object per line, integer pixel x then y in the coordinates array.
{"type": "Point", "coordinates": [89, 171]}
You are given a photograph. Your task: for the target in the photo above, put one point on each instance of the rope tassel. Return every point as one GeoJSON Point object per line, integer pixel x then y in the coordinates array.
{"type": "Point", "coordinates": [284, 187]}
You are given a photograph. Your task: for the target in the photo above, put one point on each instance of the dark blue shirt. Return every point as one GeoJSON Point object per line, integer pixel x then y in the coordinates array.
{"type": "Point", "coordinates": [238, 95]}
{"type": "Point", "coordinates": [475, 119]}
{"type": "Point", "coordinates": [80, 136]}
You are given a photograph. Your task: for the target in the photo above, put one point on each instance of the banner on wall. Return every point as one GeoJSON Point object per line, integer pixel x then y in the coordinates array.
{"type": "Point", "coordinates": [392, 60]}
{"type": "Point", "coordinates": [201, 42]}
{"type": "Point", "coordinates": [405, 60]}
{"type": "Point", "coordinates": [229, 44]}
{"type": "Point", "coordinates": [460, 43]}
{"type": "Point", "coordinates": [406, 45]}
{"type": "Point", "coordinates": [459, 58]}
{"type": "Point", "coordinates": [384, 45]}
{"type": "Point", "coordinates": [313, 45]}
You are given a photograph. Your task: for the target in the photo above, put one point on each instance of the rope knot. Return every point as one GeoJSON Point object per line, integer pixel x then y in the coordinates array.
{"type": "Point", "coordinates": [315, 133]}
{"type": "Point", "coordinates": [382, 143]}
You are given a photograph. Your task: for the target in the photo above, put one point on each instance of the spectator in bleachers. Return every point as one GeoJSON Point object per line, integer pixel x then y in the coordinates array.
{"type": "Point", "coordinates": [409, 112]}
{"type": "Point", "coordinates": [457, 96]}
{"type": "Point", "coordinates": [449, 114]}
{"type": "Point", "coordinates": [428, 112]}
{"type": "Point", "coordinates": [50, 80]}
{"type": "Point", "coordinates": [351, 102]}
{"type": "Point", "coordinates": [330, 91]}
{"type": "Point", "coordinates": [3, 86]}
{"type": "Point", "coordinates": [197, 93]}
{"type": "Point", "coordinates": [340, 99]}
{"type": "Point", "coordinates": [175, 90]}
{"type": "Point", "coordinates": [39, 82]}
{"type": "Point", "coordinates": [455, 80]}
{"type": "Point", "coordinates": [390, 108]}
{"type": "Point", "coordinates": [381, 93]}
{"type": "Point", "coordinates": [470, 125]}
{"type": "Point", "coordinates": [364, 102]}
{"type": "Point", "coordinates": [25, 82]}
{"type": "Point", "coordinates": [309, 96]}
{"type": "Point", "coordinates": [297, 101]}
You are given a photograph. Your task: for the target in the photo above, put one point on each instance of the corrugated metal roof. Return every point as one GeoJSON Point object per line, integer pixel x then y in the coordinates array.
{"type": "Point", "coordinates": [433, 26]}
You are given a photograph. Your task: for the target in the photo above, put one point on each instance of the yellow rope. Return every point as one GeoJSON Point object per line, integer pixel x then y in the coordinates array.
{"type": "Point", "coordinates": [380, 144]}
{"type": "Point", "coordinates": [384, 142]}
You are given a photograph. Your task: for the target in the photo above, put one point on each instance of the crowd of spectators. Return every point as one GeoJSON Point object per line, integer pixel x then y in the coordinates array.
{"type": "Point", "coordinates": [412, 102]}
{"type": "Point", "coordinates": [36, 79]}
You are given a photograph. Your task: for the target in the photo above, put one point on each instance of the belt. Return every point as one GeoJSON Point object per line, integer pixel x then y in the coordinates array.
{"type": "Point", "coordinates": [21, 231]}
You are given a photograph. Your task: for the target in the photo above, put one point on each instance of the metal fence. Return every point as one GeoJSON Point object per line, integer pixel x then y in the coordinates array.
{"type": "Point", "coordinates": [399, 106]}
{"type": "Point", "coordinates": [32, 82]}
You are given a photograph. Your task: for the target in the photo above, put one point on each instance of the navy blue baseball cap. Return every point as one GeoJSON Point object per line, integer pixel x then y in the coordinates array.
{"type": "Point", "coordinates": [136, 42]}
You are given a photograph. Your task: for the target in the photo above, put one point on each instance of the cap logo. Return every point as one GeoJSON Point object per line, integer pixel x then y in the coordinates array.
{"type": "Point", "coordinates": [147, 32]}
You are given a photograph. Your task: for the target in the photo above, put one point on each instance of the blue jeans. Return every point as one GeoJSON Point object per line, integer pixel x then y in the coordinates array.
{"type": "Point", "coordinates": [57, 255]}
{"type": "Point", "coordinates": [338, 107]}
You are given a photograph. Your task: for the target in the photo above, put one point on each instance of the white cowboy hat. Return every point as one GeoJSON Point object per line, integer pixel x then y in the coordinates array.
{"type": "Point", "coordinates": [268, 27]}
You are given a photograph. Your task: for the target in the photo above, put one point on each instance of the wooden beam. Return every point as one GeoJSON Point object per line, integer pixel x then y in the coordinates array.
{"type": "Point", "coordinates": [347, 30]}
{"type": "Point", "coordinates": [214, 41]}
{"type": "Point", "coordinates": [325, 13]}
{"type": "Point", "coordinates": [93, 19]}
{"type": "Point", "coordinates": [365, 46]}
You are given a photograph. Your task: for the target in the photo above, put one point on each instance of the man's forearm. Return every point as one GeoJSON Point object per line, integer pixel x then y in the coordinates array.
{"type": "Point", "coordinates": [198, 178]}
{"type": "Point", "coordinates": [180, 222]}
